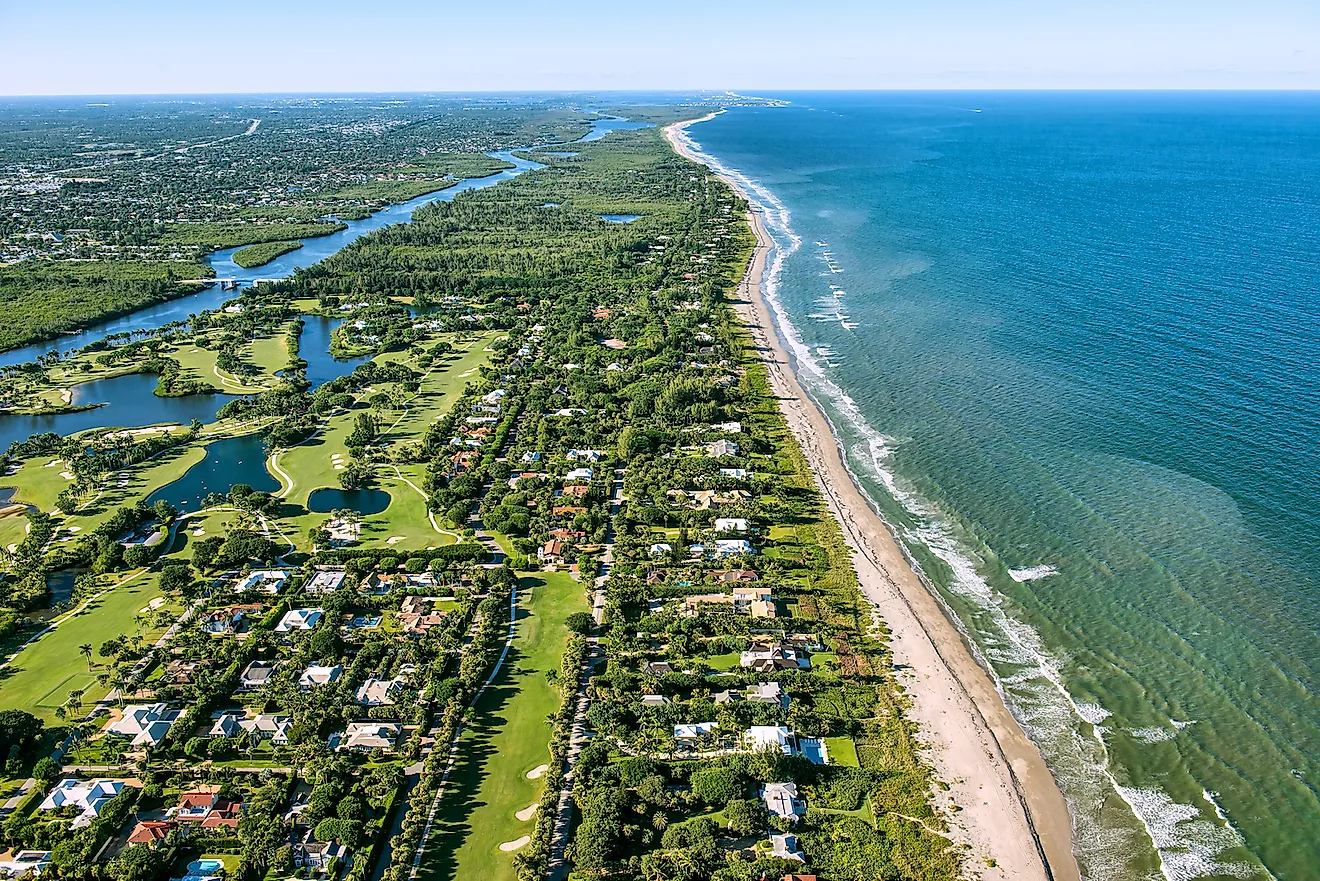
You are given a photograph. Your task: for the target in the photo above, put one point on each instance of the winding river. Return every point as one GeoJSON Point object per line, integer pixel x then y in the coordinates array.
{"type": "Point", "coordinates": [129, 401]}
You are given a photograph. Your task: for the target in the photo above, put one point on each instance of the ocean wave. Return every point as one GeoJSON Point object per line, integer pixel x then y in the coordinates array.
{"type": "Point", "coordinates": [1032, 573]}
{"type": "Point", "coordinates": [1035, 692]}
{"type": "Point", "coordinates": [1151, 734]}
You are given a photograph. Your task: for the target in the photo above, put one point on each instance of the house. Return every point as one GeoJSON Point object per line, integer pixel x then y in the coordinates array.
{"type": "Point", "coordinates": [728, 427]}
{"type": "Point", "coordinates": [367, 736]}
{"type": "Point", "coordinates": [209, 809]}
{"type": "Point", "coordinates": [781, 800]}
{"type": "Point", "coordinates": [267, 726]}
{"type": "Point", "coordinates": [151, 831]}
{"type": "Point", "coordinates": [736, 473]}
{"type": "Point", "coordinates": [736, 576]}
{"type": "Point", "coordinates": [786, 848]}
{"type": "Point", "coordinates": [378, 584]}
{"type": "Point", "coordinates": [88, 796]}
{"type": "Point", "coordinates": [694, 731]}
{"type": "Point", "coordinates": [575, 491]}
{"type": "Point", "coordinates": [766, 693]}
{"type": "Point", "coordinates": [658, 668]}
{"type": "Point", "coordinates": [733, 547]}
{"type": "Point", "coordinates": [25, 862]}
{"type": "Point", "coordinates": [763, 737]}
{"type": "Point", "coordinates": [228, 725]}
{"type": "Point", "coordinates": [660, 549]}
{"type": "Point", "coordinates": [233, 619]}
{"type": "Point", "coordinates": [531, 458]}
{"type": "Point", "coordinates": [317, 674]}
{"type": "Point", "coordinates": [583, 455]}
{"type": "Point", "coordinates": [144, 724]}
{"type": "Point", "coordinates": [326, 581]}
{"type": "Point", "coordinates": [551, 552]}
{"type": "Point", "coordinates": [319, 854]}
{"type": "Point", "coordinates": [721, 448]}
{"type": "Point", "coordinates": [270, 581]}
{"type": "Point", "coordinates": [772, 659]}
{"type": "Point", "coordinates": [379, 692]}
{"type": "Point", "coordinates": [654, 700]}
{"type": "Point", "coordinates": [579, 474]}
{"type": "Point", "coordinates": [299, 619]}
{"type": "Point", "coordinates": [181, 672]}
{"type": "Point", "coordinates": [256, 675]}
{"type": "Point", "coordinates": [730, 524]}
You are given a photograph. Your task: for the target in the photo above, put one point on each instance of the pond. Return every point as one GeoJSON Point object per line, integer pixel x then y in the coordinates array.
{"type": "Point", "coordinates": [129, 402]}
{"type": "Point", "coordinates": [364, 501]}
{"type": "Point", "coordinates": [314, 348]}
{"type": "Point", "coordinates": [227, 462]}
{"type": "Point", "coordinates": [619, 218]}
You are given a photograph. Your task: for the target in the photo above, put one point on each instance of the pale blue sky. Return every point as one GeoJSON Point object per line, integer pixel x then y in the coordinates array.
{"type": "Point", "coordinates": [83, 47]}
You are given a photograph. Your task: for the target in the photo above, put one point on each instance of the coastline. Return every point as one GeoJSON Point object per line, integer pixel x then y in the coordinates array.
{"type": "Point", "coordinates": [1012, 814]}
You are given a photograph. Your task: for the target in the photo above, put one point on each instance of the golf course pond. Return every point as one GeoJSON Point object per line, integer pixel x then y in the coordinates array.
{"type": "Point", "coordinates": [228, 462]}
{"type": "Point", "coordinates": [365, 501]}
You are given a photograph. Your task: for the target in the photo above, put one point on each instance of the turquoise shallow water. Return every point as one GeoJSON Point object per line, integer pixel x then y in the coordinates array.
{"type": "Point", "coordinates": [1071, 345]}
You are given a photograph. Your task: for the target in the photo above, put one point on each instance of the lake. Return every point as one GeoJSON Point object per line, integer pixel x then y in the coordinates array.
{"type": "Point", "coordinates": [227, 462]}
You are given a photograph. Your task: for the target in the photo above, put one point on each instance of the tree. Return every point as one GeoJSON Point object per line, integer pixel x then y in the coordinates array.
{"type": "Point", "coordinates": [580, 622]}
{"type": "Point", "coordinates": [746, 816]}
{"type": "Point", "coordinates": [139, 862]}
{"type": "Point", "coordinates": [714, 786]}
{"type": "Point", "coordinates": [86, 651]}
{"type": "Point", "coordinates": [46, 770]}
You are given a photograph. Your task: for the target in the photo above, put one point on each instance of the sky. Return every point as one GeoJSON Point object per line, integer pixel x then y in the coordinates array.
{"type": "Point", "coordinates": [91, 47]}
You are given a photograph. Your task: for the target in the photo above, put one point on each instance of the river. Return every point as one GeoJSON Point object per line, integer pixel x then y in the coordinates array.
{"type": "Point", "coordinates": [130, 401]}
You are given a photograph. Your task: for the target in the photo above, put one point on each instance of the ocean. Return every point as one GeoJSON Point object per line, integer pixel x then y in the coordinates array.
{"type": "Point", "coordinates": [1070, 343]}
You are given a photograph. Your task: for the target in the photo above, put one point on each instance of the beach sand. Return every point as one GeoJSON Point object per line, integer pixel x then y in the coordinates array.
{"type": "Point", "coordinates": [1012, 814]}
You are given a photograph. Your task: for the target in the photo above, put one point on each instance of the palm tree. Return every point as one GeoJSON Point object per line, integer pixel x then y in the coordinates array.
{"type": "Point", "coordinates": [86, 651]}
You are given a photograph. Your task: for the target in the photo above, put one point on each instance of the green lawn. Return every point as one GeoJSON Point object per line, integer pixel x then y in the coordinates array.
{"type": "Point", "coordinates": [312, 465]}
{"type": "Point", "coordinates": [842, 751]}
{"type": "Point", "coordinates": [489, 782]}
{"type": "Point", "coordinates": [41, 676]}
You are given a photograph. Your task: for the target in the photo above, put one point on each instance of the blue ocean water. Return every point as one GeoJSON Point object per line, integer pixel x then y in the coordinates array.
{"type": "Point", "coordinates": [1070, 343]}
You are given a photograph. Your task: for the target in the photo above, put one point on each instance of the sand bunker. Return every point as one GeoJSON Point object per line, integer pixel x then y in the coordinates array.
{"type": "Point", "coordinates": [515, 844]}
{"type": "Point", "coordinates": [536, 772]}
{"type": "Point", "coordinates": [526, 813]}
{"type": "Point", "coordinates": [394, 539]}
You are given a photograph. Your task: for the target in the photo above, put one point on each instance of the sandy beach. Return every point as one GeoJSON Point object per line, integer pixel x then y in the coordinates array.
{"type": "Point", "coordinates": [1011, 813]}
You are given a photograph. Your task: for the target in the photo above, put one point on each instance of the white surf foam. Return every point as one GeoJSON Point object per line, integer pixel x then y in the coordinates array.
{"type": "Point", "coordinates": [1032, 573]}
{"type": "Point", "coordinates": [1036, 693]}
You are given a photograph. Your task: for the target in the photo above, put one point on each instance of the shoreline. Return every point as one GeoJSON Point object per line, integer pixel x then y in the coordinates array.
{"type": "Point", "coordinates": [1012, 814]}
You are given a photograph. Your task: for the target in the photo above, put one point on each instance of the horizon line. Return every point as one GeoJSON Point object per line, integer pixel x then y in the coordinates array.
{"type": "Point", "coordinates": [716, 93]}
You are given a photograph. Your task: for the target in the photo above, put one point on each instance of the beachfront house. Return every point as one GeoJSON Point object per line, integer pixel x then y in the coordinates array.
{"type": "Point", "coordinates": [782, 801]}
{"type": "Point", "coordinates": [759, 738]}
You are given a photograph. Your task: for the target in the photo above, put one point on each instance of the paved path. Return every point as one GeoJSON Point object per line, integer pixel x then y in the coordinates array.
{"type": "Point", "coordinates": [557, 867]}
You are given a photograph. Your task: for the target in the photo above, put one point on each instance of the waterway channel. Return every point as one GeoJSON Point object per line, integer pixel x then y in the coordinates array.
{"type": "Point", "coordinates": [130, 402]}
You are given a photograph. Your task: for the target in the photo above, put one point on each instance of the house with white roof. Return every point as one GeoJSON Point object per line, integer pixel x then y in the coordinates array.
{"type": "Point", "coordinates": [736, 473]}
{"type": "Point", "coordinates": [326, 581]}
{"type": "Point", "coordinates": [318, 674]}
{"type": "Point", "coordinates": [268, 726]}
{"type": "Point", "coordinates": [144, 724]}
{"type": "Point", "coordinates": [786, 848]}
{"type": "Point", "coordinates": [367, 736]}
{"type": "Point", "coordinates": [694, 731]}
{"type": "Point", "coordinates": [722, 448]}
{"type": "Point", "coordinates": [762, 737]}
{"type": "Point", "coordinates": [379, 692]}
{"type": "Point", "coordinates": [88, 796]}
{"type": "Point", "coordinates": [660, 548]}
{"type": "Point", "coordinates": [269, 581]}
{"type": "Point", "coordinates": [227, 725]}
{"type": "Point", "coordinates": [25, 862]}
{"type": "Point", "coordinates": [781, 800]}
{"type": "Point", "coordinates": [299, 619]}
{"type": "Point", "coordinates": [733, 547]}
{"type": "Point", "coordinates": [583, 455]}
{"type": "Point", "coordinates": [730, 524]}
{"type": "Point", "coordinates": [578, 474]}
